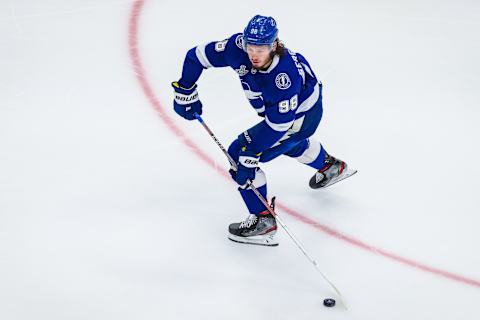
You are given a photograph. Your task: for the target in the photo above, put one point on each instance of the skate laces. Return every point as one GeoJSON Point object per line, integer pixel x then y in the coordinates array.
{"type": "Point", "coordinates": [252, 219]}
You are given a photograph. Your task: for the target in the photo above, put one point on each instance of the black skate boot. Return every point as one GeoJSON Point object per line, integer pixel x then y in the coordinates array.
{"type": "Point", "coordinates": [255, 230]}
{"type": "Point", "coordinates": [334, 171]}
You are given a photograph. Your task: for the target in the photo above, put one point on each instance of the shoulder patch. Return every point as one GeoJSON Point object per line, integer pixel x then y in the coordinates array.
{"type": "Point", "coordinates": [282, 80]}
{"type": "Point", "coordinates": [221, 45]}
{"type": "Point", "coordinates": [239, 41]}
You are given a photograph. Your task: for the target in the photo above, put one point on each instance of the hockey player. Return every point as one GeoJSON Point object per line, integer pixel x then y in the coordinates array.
{"type": "Point", "coordinates": [282, 88]}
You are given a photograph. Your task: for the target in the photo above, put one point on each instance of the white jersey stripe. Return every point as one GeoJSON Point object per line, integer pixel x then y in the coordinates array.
{"type": "Point", "coordinates": [308, 103]}
{"type": "Point", "coordinates": [202, 56]}
{"type": "Point", "coordinates": [278, 126]}
{"type": "Point", "coordinates": [261, 109]}
{"type": "Point", "coordinates": [311, 153]}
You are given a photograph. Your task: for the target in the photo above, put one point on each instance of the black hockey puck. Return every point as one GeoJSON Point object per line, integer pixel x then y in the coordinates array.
{"type": "Point", "coordinates": [329, 302]}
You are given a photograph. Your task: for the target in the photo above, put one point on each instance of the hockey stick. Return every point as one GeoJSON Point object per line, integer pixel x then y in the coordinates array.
{"type": "Point", "coordinates": [270, 209]}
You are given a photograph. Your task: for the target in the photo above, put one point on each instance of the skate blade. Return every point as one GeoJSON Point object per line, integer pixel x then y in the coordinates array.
{"type": "Point", "coordinates": [256, 240]}
{"type": "Point", "coordinates": [343, 176]}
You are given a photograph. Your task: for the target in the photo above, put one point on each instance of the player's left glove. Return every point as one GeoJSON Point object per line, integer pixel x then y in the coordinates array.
{"type": "Point", "coordinates": [246, 167]}
{"type": "Point", "coordinates": [186, 102]}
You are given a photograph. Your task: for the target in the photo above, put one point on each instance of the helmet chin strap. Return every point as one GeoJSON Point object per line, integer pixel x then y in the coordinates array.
{"type": "Point", "coordinates": [272, 54]}
{"type": "Point", "coordinates": [273, 51]}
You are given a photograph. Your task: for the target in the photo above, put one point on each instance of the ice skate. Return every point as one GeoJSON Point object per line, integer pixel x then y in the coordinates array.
{"type": "Point", "coordinates": [335, 170]}
{"type": "Point", "coordinates": [257, 230]}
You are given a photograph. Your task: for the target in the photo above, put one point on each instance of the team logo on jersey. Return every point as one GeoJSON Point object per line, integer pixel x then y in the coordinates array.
{"type": "Point", "coordinates": [282, 80]}
{"type": "Point", "coordinates": [239, 41]}
{"type": "Point", "coordinates": [242, 70]}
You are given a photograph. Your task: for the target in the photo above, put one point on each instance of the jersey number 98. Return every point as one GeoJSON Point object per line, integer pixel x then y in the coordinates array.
{"type": "Point", "coordinates": [287, 105]}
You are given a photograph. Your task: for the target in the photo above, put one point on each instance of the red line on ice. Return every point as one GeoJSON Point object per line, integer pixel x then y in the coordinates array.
{"type": "Point", "coordinates": [149, 93]}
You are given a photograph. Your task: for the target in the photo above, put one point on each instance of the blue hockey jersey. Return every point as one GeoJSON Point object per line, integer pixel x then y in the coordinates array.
{"type": "Point", "coordinates": [282, 93]}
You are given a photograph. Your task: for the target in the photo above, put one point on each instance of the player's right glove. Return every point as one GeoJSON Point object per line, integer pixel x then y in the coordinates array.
{"type": "Point", "coordinates": [186, 102]}
{"type": "Point", "coordinates": [246, 167]}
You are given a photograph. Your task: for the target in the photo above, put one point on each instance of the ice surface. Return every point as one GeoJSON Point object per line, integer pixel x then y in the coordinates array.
{"type": "Point", "coordinates": [105, 213]}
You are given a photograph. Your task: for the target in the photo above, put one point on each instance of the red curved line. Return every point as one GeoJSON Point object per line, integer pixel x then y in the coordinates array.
{"type": "Point", "coordinates": [149, 93]}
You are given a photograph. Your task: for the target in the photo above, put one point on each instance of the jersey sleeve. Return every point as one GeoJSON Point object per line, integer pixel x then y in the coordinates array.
{"type": "Point", "coordinates": [211, 55]}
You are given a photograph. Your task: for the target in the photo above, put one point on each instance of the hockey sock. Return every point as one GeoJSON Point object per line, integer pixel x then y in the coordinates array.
{"type": "Point", "coordinates": [311, 153]}
{"type": "Point", "coordinates": [254, 205]}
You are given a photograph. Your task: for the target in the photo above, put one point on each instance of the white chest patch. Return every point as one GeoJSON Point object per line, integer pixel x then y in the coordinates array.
{"type": "Point", "coordinates": [282, 80]}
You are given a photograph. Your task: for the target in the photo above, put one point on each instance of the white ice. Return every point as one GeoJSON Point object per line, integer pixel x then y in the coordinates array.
{"type": "Point", "coordinates": [106, 214]}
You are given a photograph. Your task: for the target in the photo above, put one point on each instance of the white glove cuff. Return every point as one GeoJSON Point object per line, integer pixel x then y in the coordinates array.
{"type": "Point", "coordinates": [249, 162]}
{"type": "Point", "coordinates": [184, 99]}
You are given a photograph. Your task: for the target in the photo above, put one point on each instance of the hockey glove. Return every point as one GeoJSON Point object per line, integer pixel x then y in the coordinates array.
{"type": "Point", "coordinates": [246, 167]}
{"type": "Point", "coordinates": [186, 102]}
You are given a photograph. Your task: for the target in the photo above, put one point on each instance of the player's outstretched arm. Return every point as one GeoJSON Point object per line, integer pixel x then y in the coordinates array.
{"type": "Point", "coordinates": [213, 54]}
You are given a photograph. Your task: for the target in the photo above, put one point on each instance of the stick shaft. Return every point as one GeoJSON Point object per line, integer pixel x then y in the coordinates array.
{"type": "Point", "coordinates": [270, 209]}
